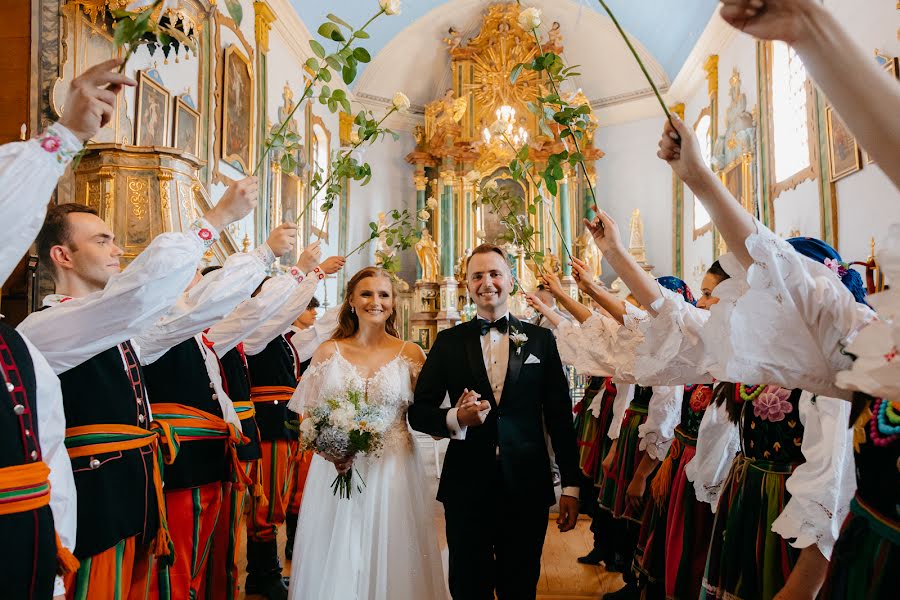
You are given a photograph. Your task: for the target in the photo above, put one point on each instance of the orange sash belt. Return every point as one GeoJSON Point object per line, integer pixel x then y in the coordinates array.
{"type": "Point", "coordinates": [27, 487]}
{"type": "Point", "coordinates": [88, 440]}
{"type": "Point", "coordinates": [178, 423]}
{"type": "Point", "coordinates": [246, 411]}
{"type": "Point", "coordinates": [271, 393]}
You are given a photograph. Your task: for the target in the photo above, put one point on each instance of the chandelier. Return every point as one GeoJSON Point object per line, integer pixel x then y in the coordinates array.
{"type": "Point", "coordinates": [504, 127]}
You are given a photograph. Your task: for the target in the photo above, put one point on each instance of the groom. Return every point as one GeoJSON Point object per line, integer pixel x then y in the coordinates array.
{"type": "Point", "coordinates": [496, 484]}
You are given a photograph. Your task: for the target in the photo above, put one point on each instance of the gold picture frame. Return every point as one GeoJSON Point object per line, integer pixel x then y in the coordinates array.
{"type": "Point", "coordinates": [738, 178]}
{"type": "Point", "coordinates": [152, 106]}
{"type": "Point", "coordinates": [185, 127]}
{"type": "Point", "coordinates": [843, 150]}
{"type": "Point", "coordinates": [237, 110]}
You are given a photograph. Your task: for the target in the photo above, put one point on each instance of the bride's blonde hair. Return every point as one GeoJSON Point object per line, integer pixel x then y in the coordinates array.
{"type": "Point", "coordinates": [348, 322]}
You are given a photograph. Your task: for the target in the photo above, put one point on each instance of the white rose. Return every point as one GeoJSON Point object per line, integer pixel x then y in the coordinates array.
{"type": "Point", "coordinates": [491, 185]}
{"type": "Point", "coordinates": [473, 175]}
{"type": "Point", "coordinates": [424, 215]}
{"type": "Point", "coordinates": [341, 418]}
{"type": "Point", "coordinates": [530, 18]}
{"type": "Point", "coordinates": [354, 137]}
{"type": "Point", "coordinates": [400, 101]}
{"type": "Point", "coordinates": [431, 203]}
{"type": "Point", "coordinates": [390, 7]}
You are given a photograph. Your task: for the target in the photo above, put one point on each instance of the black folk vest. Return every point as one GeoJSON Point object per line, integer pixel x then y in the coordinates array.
{"type": "Point", "coordinates": [237, 379]}
{"type": "Point", "coordinates": [179, 376]}
{"type": "Point", "coordinates": [30, 561]}
{"type": "Point", "coordinates": [116, 493]}
{"type": "Point", "coordinates": [274, 366]}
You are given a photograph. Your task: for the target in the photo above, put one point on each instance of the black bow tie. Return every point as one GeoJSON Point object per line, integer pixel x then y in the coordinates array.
{"type": "Point", "coordinates": [501, 325]}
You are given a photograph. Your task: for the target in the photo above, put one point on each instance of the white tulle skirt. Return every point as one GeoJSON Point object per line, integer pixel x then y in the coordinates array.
{"type": "Point", "coordinates": [380, 544]}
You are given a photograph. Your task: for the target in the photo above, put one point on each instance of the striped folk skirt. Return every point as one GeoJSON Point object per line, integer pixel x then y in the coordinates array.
{"type": "Point", "coordinates": [747, 560]}
{"type": "Point", "coordinates": [625, 461]}
{"type": "Point", "coordinates": [866, 558]}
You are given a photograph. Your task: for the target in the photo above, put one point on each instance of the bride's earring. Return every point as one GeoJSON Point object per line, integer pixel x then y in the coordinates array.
{"type": "Point", "coordinates": [352, 310]}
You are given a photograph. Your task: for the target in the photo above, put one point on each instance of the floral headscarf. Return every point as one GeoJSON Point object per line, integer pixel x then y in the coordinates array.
{"type": "Point", "coordinates": [819, 251]}
{"type": "Point", "coordinates": [678, 286]}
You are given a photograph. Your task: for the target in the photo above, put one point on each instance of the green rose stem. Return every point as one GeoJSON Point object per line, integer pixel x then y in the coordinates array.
{"type": "Point", "coordinates": [342, 157]}
{"type": "Point", "coordinates": [587, 180]}
{"type": "Point", "coordinates": [552, 218]}
{"type": "Point", "coordinates": [639, 62]}
{"type": "Point", "coordinates": [374, 235]}
{"type": "Point", "coordinates": [306, 94]}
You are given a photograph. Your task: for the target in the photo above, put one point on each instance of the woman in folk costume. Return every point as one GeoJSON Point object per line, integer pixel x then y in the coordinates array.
{"type": "Point", "coordinates": [593, 412]}
{"type": "Point", "coordinates": [774, 448]}
{"type": "Point", "coordinates": [867, 552]}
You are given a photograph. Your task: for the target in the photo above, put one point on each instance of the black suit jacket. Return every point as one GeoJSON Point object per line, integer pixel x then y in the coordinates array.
{"type": "Point", "coordinates": [533, 394]}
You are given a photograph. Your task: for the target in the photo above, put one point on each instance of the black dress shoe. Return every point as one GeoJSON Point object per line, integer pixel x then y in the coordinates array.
{"type": "Point", "coordinates": [629, 592]}
{"type": "Point", "coordinates": [591, 558]}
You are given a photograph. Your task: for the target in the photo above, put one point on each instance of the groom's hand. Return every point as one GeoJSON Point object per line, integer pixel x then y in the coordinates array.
{"type": "Point", "coordinates": [471, 412]}
{"type": "Point", "coordinates": [568, 513]}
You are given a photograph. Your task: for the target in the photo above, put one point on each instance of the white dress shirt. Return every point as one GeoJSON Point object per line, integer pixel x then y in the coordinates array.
{"type": "Point", "coordinates": [28, 175]}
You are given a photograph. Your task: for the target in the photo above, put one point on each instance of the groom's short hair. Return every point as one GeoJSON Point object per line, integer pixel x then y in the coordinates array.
{"type": "Point", "coordinates": [486, 249]}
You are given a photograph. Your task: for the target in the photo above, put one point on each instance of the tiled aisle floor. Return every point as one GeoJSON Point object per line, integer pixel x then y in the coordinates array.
{"type": "Point", "coordinates": [562, 578]}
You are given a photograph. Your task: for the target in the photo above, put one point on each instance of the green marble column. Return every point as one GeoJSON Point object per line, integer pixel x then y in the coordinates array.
{"type": "Point", "coordinates": [447, 230]}
{"type": "Point", "coordinates": [469, 214]}
{"type": "Point", "coordinates": [565, 226]}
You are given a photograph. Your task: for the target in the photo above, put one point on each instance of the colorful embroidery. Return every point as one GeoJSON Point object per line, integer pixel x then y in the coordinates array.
{"type": "Point", "coordinates": [772, 404]}
{"type": "Point", "coordinates": [700, 398]}
{"type": "Point", "coordinates": [52, 143]}
{"type": "Point", "coordinates": [203, 232]}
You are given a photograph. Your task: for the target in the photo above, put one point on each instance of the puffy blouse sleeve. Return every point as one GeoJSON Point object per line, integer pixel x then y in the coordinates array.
{"type": "Point", "coordinates": [310, 390]}
{"type": "Point", "coordinates": [718, 440]}
{"type": "Point", "coordinates": [788, 325]}
{"type": "Point", "coordinates": [821, 488]}
{"type": "Point", "coordinates": [620, 405]}
{"type": "Point", "coordinates": [663, 415]}
{"type": "Point", "coordinates": [601, 345]}
{"type": "Point", "coordinates": [673, 352]}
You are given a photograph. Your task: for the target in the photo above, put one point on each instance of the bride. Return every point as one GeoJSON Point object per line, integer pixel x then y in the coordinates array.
{"type": "Point", "coordinates": [380, 543]}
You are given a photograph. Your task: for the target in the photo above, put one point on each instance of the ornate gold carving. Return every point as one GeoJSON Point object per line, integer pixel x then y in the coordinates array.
{"type": "Point", "coordinates": [420, 181]}
{"type": "Point", "coordinates": [448, 177]}
{"type": "Point", "coordinates": [137, 197]}
{"type": "Point", "coordinates": [712, 74]}
{"type": "Point", "coordinates": [346, 128]}
{"type": "Point", "coordinates": [678, 109]}
{"type": "Point", "coordinates": [264, 19]}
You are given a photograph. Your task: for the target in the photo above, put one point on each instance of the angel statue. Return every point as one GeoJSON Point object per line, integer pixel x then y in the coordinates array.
{"type": "Point", "coordinates": [453, 39]}
{"type": "Point", "coordinates": [382, 249]}
{"type": "Point", "coordinates": [554, 39]}
{"type": "Point", "coordinates": [427, 252]}
{"type": "Point", "coordinates": [587, 250]}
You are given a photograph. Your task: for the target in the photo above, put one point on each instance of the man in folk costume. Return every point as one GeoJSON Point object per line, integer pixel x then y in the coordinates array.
{"type": "Point", "coordinates": [189, 399]}
{"type": "Point", "coordinates": [36, 484]}
{"type": "Point", "coordinates": [85, 334]}
{"type": "Point", "coordinates": [273, 368]}
{"type": "Point", "coordinates": [278, 296]}
{"type": "Point", "coordinates": [301, 460]}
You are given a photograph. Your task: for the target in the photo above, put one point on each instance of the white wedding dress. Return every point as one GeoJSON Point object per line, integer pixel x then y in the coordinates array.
{"type": "Point", "coordinates": [380, 544]}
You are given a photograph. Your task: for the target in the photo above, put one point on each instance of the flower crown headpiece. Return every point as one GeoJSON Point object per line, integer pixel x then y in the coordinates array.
{"type": "Point", "coordinates": [840, 268]}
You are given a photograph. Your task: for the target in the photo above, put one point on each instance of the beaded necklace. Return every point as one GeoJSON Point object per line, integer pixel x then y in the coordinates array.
{"type": "Point", "coordinates": [750, 394]}
{"type": "Point", "coordinates": [884, 428]}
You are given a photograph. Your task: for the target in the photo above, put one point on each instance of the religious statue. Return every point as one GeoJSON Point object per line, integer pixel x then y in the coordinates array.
{"type": "Point", "coordinates": [636, 239]}
{"type": "Point", "coordinates": [552, 263]}
{"type": "Point", "coordinates": [381, 246]}
{"type": "Point", "coordinates": [588, 251]}
{"type": "Point", "coordinates": [419, 135]}
{"type": "Point", "coordinates": [444, 113]}
{"type": "Point", "coordinates": [427, 252]}
{"type": "Point", "coordinates": [453, 39]}
{"type": "Point", "coordinates": [554, 39]}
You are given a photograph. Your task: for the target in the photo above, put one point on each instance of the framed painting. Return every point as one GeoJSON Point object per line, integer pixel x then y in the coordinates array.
{"type": "Point", "coordinates": [843, 151]}
{"type": "Point", "coordinates": [237, 110]}
{"type": "Point", "coordinates": [151, 127]}
{"type": "Point", "coordinates": [186, 127]}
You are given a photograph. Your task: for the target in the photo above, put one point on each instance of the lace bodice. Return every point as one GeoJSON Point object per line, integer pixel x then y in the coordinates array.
{"type": "Point", "coordinates": [390, 386]}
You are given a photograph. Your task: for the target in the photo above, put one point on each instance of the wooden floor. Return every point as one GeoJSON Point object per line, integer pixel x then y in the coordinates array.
{"type": "Point", "coordinates": [562, 577]}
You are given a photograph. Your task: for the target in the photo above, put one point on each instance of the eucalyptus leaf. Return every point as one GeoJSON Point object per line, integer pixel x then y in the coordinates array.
{"type": "Point", "coordinates": [362, 55]}
{"type": "Point", "coordinates": [317, 48]}
{"type": "Point", "coordinates": [338, 20]}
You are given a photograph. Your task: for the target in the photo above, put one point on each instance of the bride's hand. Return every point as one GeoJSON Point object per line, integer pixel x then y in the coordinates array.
{"type": "Point", "coordinates": [341, 463]}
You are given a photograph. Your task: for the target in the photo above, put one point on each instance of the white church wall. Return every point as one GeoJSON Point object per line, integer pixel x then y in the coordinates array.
{"type": "Point", "coordinates": [631, 176]}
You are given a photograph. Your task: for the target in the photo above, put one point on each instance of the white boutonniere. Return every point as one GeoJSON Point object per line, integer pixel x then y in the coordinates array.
{"type": "Point", "coordinates": [517, 338]}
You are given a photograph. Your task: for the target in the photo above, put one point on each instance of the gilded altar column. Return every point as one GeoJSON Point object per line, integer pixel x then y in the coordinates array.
{"type": "Point", "coordinates": [448, 315]}
{"type": "Point", "coordinates": [420, 181]}
{"type": "Point", "coordinates": [262, 25]}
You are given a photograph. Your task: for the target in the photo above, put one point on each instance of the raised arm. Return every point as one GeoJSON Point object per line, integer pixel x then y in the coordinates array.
{"type": "Point", "coordinates": [606, 235]}
{"type": "Point", "coordinates": [29, 170]}
{"type": "Point", "coordinates": [575, 308]}
{"type": "Point", "coordinates": [585, 278]}
{"type": "Point", "coordinates": [680, 149]}
{"type": "Point", "coordinates": [864, 95]}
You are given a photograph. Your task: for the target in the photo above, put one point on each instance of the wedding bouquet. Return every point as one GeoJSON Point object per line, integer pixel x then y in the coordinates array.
{"type": "Point", "coordinates": [342, 427]}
